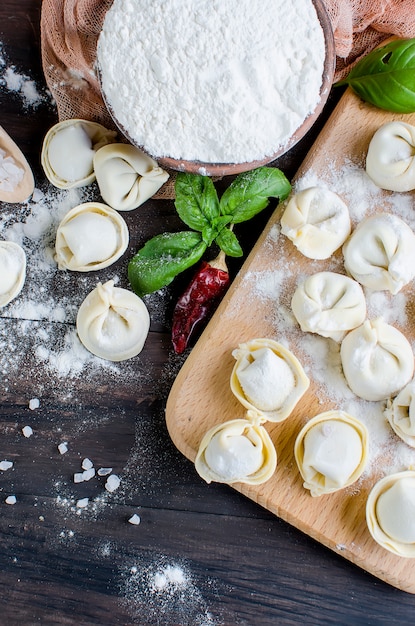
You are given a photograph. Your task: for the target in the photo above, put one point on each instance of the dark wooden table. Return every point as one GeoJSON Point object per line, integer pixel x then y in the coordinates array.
{"type": "Point", "coordinates": [202, 554]}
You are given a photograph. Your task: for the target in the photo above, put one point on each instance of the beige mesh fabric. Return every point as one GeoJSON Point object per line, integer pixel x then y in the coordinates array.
{"type": "Point", "coordinates": [70, 30]}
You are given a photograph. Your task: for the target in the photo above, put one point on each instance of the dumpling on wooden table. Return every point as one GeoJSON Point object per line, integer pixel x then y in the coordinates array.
{"type": "Point", "coordinates": [390, 513]}
{"type": "Point", "coordinates": [268, 378]}
{"type": "Point", "coordinates": [126, 176]}
{"type": "Point", "coordinates": [112, 322]}
{"type": "Point", "coordinates": [239, 450]}
{"type": "Point", "coordinates": [380, 253]}
{"type": "Point", "coordinates": [317, 221]}
{"type": "Point", "coordinates": [68, 151]}
{"type": "Point", "coordinates": [329, 304]}
{"type": "Point", "coordinates": [377, 360]}
{"type": "Point", "coordinates": [331, 452]}
{"type": "Point", "coordinates": [91, 236]}
{"type": "Point", "coordinates": [390, 159]}
{"type": "Point", "coordinates": [400, 413]}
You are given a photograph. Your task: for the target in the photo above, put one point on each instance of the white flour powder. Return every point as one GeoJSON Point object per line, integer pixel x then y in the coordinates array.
{"type": "Point", "coordinates": [209, 80]}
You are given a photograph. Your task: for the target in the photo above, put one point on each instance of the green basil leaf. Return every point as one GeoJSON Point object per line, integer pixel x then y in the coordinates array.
{"type": "Point", "coordinates": [249, 193]}
{"type": "Point", "coordinates": [196, 200]}
{"type": "Point", "coordinates": [162, 258]}
{"type": "Point", "coordinates": [386, 77]}
{"type": "Point", "coordinates": [228, 242]}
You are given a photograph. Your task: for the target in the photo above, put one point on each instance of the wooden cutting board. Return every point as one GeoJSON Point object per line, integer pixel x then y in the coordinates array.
{"type": "Point", "coordinates": [201, 396]}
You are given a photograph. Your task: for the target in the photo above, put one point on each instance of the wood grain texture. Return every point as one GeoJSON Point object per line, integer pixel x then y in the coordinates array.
{"type": "Point", "coordinates": [337, 520]}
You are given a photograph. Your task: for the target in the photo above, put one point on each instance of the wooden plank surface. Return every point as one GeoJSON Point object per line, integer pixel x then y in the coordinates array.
{"type": "Point", "coordinates": [201, 395]}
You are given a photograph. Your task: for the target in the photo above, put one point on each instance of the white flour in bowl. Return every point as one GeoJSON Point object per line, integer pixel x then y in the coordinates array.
{"type": "Point", "coordinates": [211, 80]}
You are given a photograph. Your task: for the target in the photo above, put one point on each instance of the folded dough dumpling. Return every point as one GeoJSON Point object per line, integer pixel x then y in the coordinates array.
{"type": "Point", "coordinates": [329, 304]}
{"type": "Point", "coordinates": [377, 360]}
{"type": "Point", "coordinates": [239, 450]}
{"type": "Point", "coordinates": [268, 378]}
{"type": "Point", "coordinates": [400, 413]}
{"type": "Point", "coordinates": [12, 271]}
{"type": "Point", "coordinates": [380, 253]}
{"type": "Point", "coordinates": [113, 323]}
{"type": "Point", "coordinates": [317, 221]}
{"type": "Point", "coordinates": [390, 160]}
{"type": "Point", "coordinates": [331, 452]}
{"type": "Point", "coordinates": [91, 236]}
{"type": "Point", "coordinates": [390, 513]}
{"type": "Point", "coordinates": [126, 176]}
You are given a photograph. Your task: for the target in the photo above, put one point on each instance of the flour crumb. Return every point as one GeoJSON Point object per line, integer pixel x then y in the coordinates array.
{"type": "Point", "coordinates": [135, 519]}
{"type": "Point", "coordinates": [63, 447]}
{"type": "Point", "coordinates": [82, 503]}
{"type": "Point", "coordinates": [34, 403]}
{"type": "Point", "coordinates": [112, 483]}
{"type": "Point", "coordinates": [5, 465]}
{"type": "Point", "coordinates": [104, 471]}
{"type": "Point", "coordinates": [87, 464]}
{"type": "Point", "coordinates": [27, 431]}
{"type": "Point", "coordinates": [10, 500]}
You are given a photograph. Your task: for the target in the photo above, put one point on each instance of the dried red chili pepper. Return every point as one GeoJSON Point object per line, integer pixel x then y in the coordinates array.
{"type": "Point", "coordinates": [198, 301]}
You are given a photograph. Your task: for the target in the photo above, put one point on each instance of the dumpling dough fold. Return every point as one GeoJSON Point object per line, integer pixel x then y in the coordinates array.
{"type": "Point", "coordinates": [12, 271]}
{"type": "Point", "coordinates": [239, 450]}
{"type": "Point", "coordinates": [91, 236]}
{"type": "Point", "coordinates": [377, 360]}
{"type": "Point", "coordinates": [380, 253]}
{"type": "Point", "coordinates": [329, 304]}
{"type": "Point", "coordinates": [113, 323]}
{"type": "Point", "coordinates": [400, 413]}
{"type": "Point", "coordinates": [317, 221]}
{"type": "Point", "coordinates": [126, 176]}
{"type": "Point", "coordinates": [390, 513]}
{"type": "Point", "coordinates": [268, 378]}
{"type": "Point", "coordinates": [390, 159]}
{"type": "Point", "coordinates": [331, 452]}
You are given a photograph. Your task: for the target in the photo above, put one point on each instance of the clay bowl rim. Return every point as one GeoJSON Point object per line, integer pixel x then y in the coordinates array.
{"type": "Point", "coordinates": [228, 169]}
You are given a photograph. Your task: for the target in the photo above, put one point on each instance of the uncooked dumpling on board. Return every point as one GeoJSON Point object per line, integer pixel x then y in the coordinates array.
{"type": "Point", "coordinates": [390, 513]}
{"type": "Point", "coordinates": [400, 413]}
{"type": "Point", "coordinates": [126, 176]}
{"type": "Point", "coordinates": [377, 360]}
{"type": "Point", "coordinates": [68, 152]}
{"type": "Point", "coordinates": [329, 304]}
{"type": "Point", "coordinates": [380, 253]}
{"type": "Point", "coordinates": [112, 322]}
{"type": "Point", "coordinates": [317, 221]}
{"type": "Point", "coordinates": [390, 160]}
{"type": "Point", "coordinates": [91, 236]}
{"type": "Point", "coordinates": [268, 378]}
{"type": "Point", "coordinates": [12, 271]}
{"type": "Point", "coordinates": [331, 452]}
{"type": "Point", "coordinates": [239, 450]}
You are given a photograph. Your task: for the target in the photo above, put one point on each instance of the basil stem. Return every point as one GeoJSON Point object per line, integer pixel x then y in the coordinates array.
{"type": "Point", "coordinates": [159, 261]}
{"type": "Point", "coordinates": [386, 77]}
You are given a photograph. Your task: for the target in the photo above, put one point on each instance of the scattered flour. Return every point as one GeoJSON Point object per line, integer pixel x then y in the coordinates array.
{"type": "Point", "coordinates": [20, 84]}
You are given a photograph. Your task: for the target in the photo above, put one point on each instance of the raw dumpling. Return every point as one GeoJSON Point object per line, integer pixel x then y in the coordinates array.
{"type": "Point", "coordinates": [390, 513]}
{"type": "Point", "coordinates": [126, 176]}
{"type": "Point", "coordinates": [380, 254]}
{"type": "Point", "coordinates": [390, 161]}
{"type": "Point", "coordinates": [329, 304]}
{"type": "Point", "coordinates": [90, 236]}
{"type": "Point", "coordinates": [240, 450]}
{"type": "Point", "coordinates": [68, 152]}
{"type": "Point", "coordinates": [268, 378]}
{"type": "Point", "coordinates": [113, 323]}
{"type": "Point", "coordinates": [12, 271]}
{"type": "Point", "coordinates": [400, 414]}
{"type": "Point", "coordinates": [331, 452]}
{"type": "Point", "coordinates": [377, 360]}
{"type": "Point", "coordinates": [317, 221]}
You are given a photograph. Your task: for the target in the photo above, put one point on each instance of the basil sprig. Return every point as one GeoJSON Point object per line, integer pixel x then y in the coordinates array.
{"type": "Point", "coordinates": [157, 263]}
{"type": "Point", "coordinates": [386, 77]}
